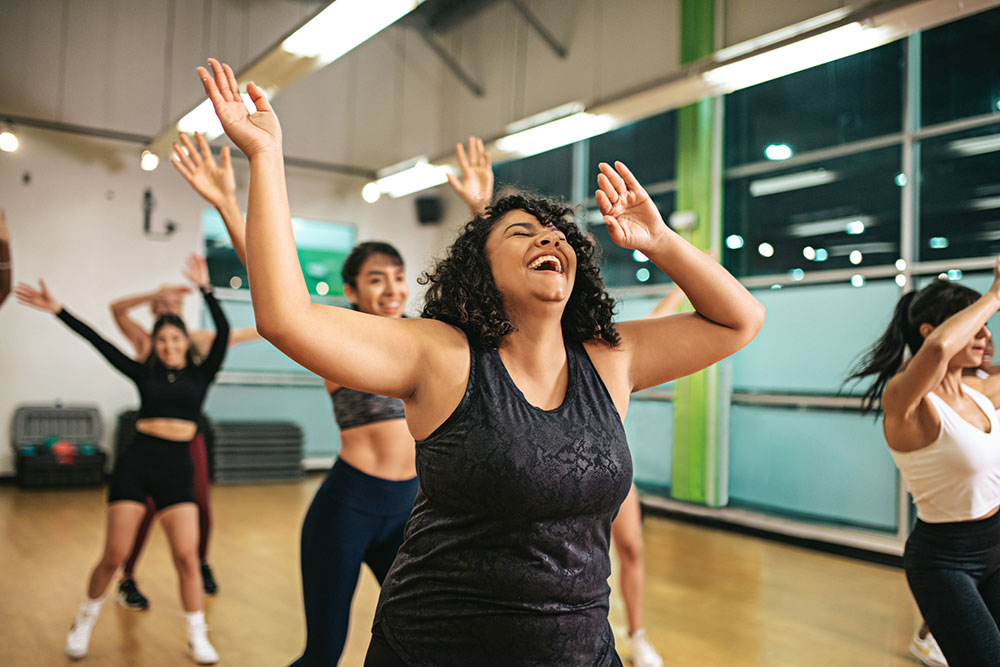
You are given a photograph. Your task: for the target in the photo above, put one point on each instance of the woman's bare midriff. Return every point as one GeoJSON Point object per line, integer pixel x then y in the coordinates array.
{"type": "Point", "coordinates": [181, 430]}
{"type": "Point", "coordinates": [384, 449]}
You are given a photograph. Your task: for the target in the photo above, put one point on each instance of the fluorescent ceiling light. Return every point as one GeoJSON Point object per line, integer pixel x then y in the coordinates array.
{"type": "Point", "coordinates": [822, 48]}
{"type": "Point", "coordinates": [874, 248]}
{"type": "Point", "coordinates": [343, 25]}
{"type": "Point", "coordinates": [554, 134]}
{"type": "Point", "coordinates": [543, 117]}
{"type": "Point", "coordinates": [822, 227]}
{"type": "Point", "coordinates": [976, 145]}
{"type": "Point", "coordinates": [416, 175]}
{"type": "Point", "coordinates": [788, 182]}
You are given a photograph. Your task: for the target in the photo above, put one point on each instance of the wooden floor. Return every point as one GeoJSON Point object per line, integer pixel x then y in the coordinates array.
{"type": "Point", "coordinates": [712, 598]}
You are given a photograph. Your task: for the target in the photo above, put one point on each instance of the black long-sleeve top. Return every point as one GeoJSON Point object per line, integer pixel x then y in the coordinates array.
{"type": "Point", "coordinates": [173, 393]}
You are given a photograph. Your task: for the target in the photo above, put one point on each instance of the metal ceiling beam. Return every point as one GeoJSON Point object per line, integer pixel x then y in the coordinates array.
{"type": "Point", "coordinates": [558, 47]}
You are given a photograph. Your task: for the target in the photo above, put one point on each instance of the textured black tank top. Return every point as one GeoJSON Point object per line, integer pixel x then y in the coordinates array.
{"type": "Point", "coordinates": [505, 558]}
{"type": "Point", "coordinates": [356, 408]}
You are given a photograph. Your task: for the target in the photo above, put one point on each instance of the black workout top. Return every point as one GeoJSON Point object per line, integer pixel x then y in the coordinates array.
{"type": "Point", "coordinates": [505, 558]}
{"type": "Point", "coordinates": [172, 393]}
{"type": "Point", "coordinates": [357, 408]}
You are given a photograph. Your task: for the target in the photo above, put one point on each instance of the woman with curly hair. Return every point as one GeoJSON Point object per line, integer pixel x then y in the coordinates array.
{"type": "Point", "coordinates": [515, 382]}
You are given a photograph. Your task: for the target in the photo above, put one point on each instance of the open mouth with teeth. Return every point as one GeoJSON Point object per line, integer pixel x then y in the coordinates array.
{"type": "Point", "coordinates": [546, 263]}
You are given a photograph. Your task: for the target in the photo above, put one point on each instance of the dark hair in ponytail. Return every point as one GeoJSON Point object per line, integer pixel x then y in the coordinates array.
{"type": "Point", "coordinates": [931, 305]}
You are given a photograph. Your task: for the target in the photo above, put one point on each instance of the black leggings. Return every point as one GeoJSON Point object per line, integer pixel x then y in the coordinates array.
{"type": "Point", "coordinates": [954, 573]}
{"type": "Point", "coordinates": [353, 519]}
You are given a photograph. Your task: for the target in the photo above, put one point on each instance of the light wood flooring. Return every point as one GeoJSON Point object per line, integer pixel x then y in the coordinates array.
{"type": "Point", "coordinates": [712, 597]}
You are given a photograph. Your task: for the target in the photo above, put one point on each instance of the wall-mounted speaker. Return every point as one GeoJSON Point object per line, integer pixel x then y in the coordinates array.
{"type": "Point", "coordinates": [430, 210]}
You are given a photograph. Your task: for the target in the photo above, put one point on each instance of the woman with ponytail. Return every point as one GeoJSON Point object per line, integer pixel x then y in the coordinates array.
{"type": "Point", "coordinates": [943, 432]}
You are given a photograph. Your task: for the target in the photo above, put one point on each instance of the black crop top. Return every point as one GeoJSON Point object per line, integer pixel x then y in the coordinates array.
{"type": "Point", "coordinates": [357, 408]}
{"type": "Point", "coordinates": [172, 393]}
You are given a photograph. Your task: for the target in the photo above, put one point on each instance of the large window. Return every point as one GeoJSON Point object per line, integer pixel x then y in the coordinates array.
{"type": "Point", "coordinates": [960, 195]}
{"type": "Point", "coordinates": [960, 71]}
{"type": "Point", "coordinates": [830, 214]}
{"type": "Point", "coordinates": [848, 100]}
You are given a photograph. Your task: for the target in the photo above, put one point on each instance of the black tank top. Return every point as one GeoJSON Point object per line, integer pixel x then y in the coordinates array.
{"type": "Point", "coordinates": [357, 408]}
{"type": "Point", "coordinates": [505, 559]}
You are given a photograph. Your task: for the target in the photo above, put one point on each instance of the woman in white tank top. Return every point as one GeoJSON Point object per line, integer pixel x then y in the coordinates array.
{"type": "Point", "coordinates": [943, 431]}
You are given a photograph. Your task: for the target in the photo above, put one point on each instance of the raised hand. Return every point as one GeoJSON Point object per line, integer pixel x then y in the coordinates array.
{"type": "Point", "coordinates": [476, 186]}
{"type": "Point", "coordinates": [215, 182]}
{"type": "Point", "coordinates": [252, 133]}
{"type": "Point", "coordinates": [37, 298]}
{"type": "Point", "coordinates": [632, 220]}
{"type": "Point", "coordinates": [196, 270]}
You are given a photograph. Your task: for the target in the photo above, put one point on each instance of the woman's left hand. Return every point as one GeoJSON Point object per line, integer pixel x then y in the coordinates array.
{"type": "Point", "coordinates": [196, 270]}
{"type": "Point", "coordinates": [632, 220]}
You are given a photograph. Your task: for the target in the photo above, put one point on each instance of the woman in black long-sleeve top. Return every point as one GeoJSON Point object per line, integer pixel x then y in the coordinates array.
{"type": "Point", "coordinates": [156, 464]}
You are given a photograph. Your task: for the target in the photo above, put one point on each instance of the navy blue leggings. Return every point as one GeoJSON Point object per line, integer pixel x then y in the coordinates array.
{"type": "Point", "coordinates": [355, 518]}
{"type": "Point", "coordinates": [954, 573]}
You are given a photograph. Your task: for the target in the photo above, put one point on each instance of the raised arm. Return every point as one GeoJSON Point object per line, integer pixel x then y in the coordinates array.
{"type": "Point", "coordinates": [908, 388]}
{"type": "Point", "coordinates": [41, 298]}
{"type": "Point", "coordinates": [365, 352]}
{"type": "Point", "coordinates": [476, 186]}
{"type": "Point", "coordinates": [134, 332]}
{"type": "Point", "coordinates": [216, 184]}
{"type": "Point", "coordinates": [6, 274]}
{"type": "Point", "coordinates": [196, 271]}
{"type": "Point", "coordinates": [726, 316]}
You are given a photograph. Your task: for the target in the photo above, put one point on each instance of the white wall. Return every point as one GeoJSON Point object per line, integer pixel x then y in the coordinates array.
{"type": "Point", "coordinates": [78, 224]}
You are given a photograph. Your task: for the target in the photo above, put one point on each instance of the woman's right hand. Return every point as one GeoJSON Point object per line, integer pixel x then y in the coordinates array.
{"type": "Point", "coordinates": [253, 134]}
{"type": "Point", "coordinates": [37, 298]}
{"type": "Point", "coordinates": [215, 182]}
{"type": "Point", "coordinates": [476, 186]}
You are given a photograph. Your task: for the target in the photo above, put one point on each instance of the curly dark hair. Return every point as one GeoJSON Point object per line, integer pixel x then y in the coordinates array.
{"type": "Point", "coordinates": [461, 290]}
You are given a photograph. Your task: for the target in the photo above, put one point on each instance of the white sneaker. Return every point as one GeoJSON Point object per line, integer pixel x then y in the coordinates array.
{"type": "Point", "coordinates": [78, 639]}
{"type": "Point", "coordinates": [642, 652]}
{"type": "Point", "coordinates": [199, 648]}
{"type": "Point", "coordinates": [927, 651]}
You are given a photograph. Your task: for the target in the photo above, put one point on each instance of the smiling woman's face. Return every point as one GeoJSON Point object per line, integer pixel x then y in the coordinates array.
{"type": "Point", "coordinates": [381, 287]}
{"type": "Point", "coordinates": [530, 263]}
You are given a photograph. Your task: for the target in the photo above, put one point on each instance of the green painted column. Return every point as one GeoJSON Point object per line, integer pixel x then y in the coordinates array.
{"type": "Point", "coordinates": [696, 456]}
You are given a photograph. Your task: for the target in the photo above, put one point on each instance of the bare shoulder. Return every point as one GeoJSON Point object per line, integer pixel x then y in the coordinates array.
{"type": "Point", "coordinates": [914, 430]}
{"type": "Point", "coordinates": [612, 364]}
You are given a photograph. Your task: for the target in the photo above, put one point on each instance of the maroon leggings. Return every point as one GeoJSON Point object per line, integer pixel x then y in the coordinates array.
{"type": "Point", "coordinates": [200, 461]}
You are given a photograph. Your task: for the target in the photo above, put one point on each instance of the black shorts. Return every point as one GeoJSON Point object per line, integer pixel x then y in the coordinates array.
{"type": "Point", "coordinates": [156, 468]}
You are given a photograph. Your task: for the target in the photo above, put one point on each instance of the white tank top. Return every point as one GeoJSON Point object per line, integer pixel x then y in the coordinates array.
{"type": "Point", "coordinates": [956, 477]}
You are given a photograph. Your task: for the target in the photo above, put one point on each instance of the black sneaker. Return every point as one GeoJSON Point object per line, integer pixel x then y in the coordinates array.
{"type": "Point", "coordinates": [207, 580]}
{"type": "Point", "coordinates": [130, 597]}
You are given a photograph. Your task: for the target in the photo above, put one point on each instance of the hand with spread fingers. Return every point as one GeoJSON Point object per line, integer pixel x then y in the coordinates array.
{"type": "Point", "coordinates": [254, 133]}
{"type": "Point", "coordinates": [214, 181]}
{"type": "Point", "coordinates": [39, 298]}
{"type": "Point", "coordinates": [476, 186]}
{"type": "Point", "coordinates": [196, 270]}
{"type": "Point", "coordinates": [632, 220]}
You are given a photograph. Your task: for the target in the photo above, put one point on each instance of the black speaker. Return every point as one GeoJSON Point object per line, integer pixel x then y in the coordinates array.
{"type": "Point", "coordinates": [430, 210]}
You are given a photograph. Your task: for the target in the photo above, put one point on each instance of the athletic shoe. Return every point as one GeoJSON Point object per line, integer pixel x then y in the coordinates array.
{"type": "Point", "coordinates": [927, 651]}
{"type": "Point", "coordinates": [199, 648]}
{"type": "Point", "coordinates": [129, 595]}
{"type": "Point", "coordinates": [207, 580]}
{"type": "Point", "coordinates": [642, 652]}
{"type": "Point", "coordinates": [78, 638]}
